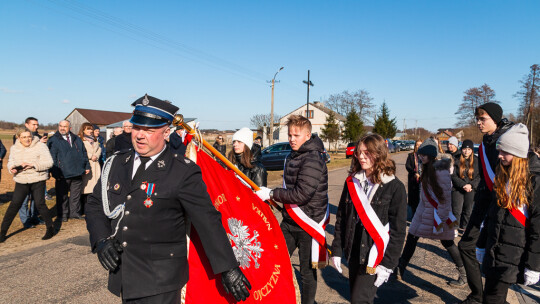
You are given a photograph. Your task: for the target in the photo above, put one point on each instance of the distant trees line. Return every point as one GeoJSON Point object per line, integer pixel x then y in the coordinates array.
{"type": "Point", "coordinates": [7, 125]}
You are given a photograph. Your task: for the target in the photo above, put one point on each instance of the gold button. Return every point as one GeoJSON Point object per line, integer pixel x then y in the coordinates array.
{"type": "Point", "coordinates": [172, 254]}
{"type": "Point", "coordinates": [125, 228]}
{"type": "Point", "coordinates": [124, 244]}
{"type": "Point", "coordinates": [129, 197]}
{"type": "Point", "coordinates": [127, 212]}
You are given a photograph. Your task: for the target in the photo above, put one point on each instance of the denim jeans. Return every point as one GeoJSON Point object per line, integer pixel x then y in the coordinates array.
{"type": "Point", "coordinates": [28, 215]}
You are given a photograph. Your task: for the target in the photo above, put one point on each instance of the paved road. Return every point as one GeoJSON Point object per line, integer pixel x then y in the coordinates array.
{"type": "Point", "coordinates": [65, 271]}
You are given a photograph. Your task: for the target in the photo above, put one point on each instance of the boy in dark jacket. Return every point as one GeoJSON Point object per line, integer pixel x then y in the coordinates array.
{"type": "Point", "coordinates": [492, 125]}
{"type": "Point", "coordinates": [305, 198]}
{"type": "Point", "coordinates": [509, 244]}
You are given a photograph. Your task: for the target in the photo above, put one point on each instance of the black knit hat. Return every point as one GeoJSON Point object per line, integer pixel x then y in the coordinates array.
{"type": "Point", "coordinates": [467, 144]}
{"type": "Point", "coordinates": [494, 111]}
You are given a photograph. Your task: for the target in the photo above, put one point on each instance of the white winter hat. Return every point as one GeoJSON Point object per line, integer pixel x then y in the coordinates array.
{"type": "Point", "coordinates": [515, 141]}
{"type": "Point", "coordinates": [453, 140]}
{"type": "Point", "coordinates": [244, 135]}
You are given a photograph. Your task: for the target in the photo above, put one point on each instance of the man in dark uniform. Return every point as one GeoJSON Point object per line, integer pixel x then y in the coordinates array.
{"type": "Point", "coordinates": [152, 192]}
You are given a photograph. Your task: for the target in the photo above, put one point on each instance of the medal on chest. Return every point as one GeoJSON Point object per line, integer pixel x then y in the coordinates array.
{"type": "Point", "coordinates": [149, 188]}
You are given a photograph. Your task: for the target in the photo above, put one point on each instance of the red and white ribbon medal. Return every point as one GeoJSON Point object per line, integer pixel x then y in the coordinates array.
{"type": "Point", "coordinates": [149, 188]}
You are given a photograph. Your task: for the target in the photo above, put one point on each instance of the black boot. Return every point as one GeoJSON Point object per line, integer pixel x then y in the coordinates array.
{"type": "Point", "coordinates": [49, 234]}
{"type": "Point", "coordinates": [400, 270]}
{"type": "Point", "coordinates": [3, 236]}
{"type": "Point", "coordinates": [462, 279]}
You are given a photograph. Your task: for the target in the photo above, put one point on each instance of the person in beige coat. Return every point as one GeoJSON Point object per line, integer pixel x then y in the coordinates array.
{"type": "Point", "coordinates": [429, 221]}
{"type": "Point", "coordinates": [93, 149]}
{"type": "Point", "coordinates": [29, 162]}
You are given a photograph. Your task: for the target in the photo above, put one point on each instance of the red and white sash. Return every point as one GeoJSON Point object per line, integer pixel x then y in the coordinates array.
{"type": "Point", "coordinates": [319, 251]}
{"type": "Point", "coordinates": [375, 228]}
{"type": "Point", "coordinates": [437, 222]}
{"type": "Point", "coordinates": [489, 175]}
{"type": "Point", "coordinates": [521, 214]}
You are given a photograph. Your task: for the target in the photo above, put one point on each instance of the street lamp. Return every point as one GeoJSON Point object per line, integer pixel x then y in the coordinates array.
{"type": "Point", "coordinates": [271, 139]}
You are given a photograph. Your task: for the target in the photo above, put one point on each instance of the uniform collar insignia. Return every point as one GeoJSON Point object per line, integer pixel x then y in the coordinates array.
{"type": "Point", "coordinates": [161, 163]}
{"type": "Point", "coordinates": [187, 161]}
{"type": "Point", "coordinates": [128, 158]}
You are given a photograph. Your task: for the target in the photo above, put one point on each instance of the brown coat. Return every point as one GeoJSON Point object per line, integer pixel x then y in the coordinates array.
{"type": "Point", "coordinates": [422, 222]}
{"type": "Point", "coordinates": [36, 154]}
{"type": "Point", "coordinates": [90, 180]}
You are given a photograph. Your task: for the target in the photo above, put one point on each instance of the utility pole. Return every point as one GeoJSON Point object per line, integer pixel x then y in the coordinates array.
{"type": "Point", "coordinates": [271, 139]}
{"type": "Point", "coordinates": [403, 125]}
{"type": "Point", "coordinates": [308, 83]}
{"type": "Point", "coordinates": [415, 127]}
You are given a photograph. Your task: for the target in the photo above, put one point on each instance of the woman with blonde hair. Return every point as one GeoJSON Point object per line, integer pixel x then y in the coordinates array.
{"type": "Point", "coordinates": [371, 219]}
{"type": "Point", "coordinates": [93, 151]}
{"type": "Point", "coordinates": [29, 162]}
{"type": "Point", "coordinates": [509, 244]}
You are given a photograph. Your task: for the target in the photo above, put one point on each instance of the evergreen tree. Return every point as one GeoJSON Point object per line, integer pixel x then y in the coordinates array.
{"type": "Point", "coordinates": [354, 127]}
{"type": "Point", "coordinates": [331, 132]}
{"type": "Point", "coordinates": [383, 125]}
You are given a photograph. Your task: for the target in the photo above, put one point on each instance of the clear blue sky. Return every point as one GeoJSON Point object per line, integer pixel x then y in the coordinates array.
{"type": "Point", "coordinates": [213, 58]}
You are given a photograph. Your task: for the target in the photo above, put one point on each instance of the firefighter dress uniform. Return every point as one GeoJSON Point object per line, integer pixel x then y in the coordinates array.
{"type": "Point", "coordinates": [149, 230]}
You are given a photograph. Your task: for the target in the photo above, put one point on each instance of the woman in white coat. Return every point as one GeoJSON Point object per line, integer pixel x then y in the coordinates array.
{"type": "Point", "coordinates": [93, 149]}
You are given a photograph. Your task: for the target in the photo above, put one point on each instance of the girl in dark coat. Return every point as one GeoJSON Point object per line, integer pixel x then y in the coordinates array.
{"type": "Point", "coordinates": [373, 174]}
{"type": "Point", "coordinates": [465, 180]}
{"type": "Point", "coordinates": [509, 244]}
{"type": "Point", "coordinates": [242, 157]}
{"type": "Point", "coordinates": [413, 166]}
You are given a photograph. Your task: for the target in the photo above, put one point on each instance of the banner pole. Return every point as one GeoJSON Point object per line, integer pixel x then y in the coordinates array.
{"type": "Point", "coordinates": [179, 121]}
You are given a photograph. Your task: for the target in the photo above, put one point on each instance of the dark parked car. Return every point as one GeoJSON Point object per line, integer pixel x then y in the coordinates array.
{"type": "Point", "coordinates": [273, 157]}
{"type": "Point", "coordinates": [350, 149]}
{"type": "Point", "coordinates": [391, 147]}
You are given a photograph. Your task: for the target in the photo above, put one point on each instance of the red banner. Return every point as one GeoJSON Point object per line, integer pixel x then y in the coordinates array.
{"type": "Point", "coordinates": [255, 237]}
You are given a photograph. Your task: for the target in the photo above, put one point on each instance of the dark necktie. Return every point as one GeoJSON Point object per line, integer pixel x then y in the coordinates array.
{"type": "Point", "coordinates": [142, 167]}
{"type": "Point", "coordinates": [68, 140]}
{"type": "Point", "coordinates": [366, 186]}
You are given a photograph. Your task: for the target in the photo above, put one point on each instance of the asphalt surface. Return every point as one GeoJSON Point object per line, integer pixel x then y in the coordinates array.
{"type": "Point", "coordinates": [65, 271]}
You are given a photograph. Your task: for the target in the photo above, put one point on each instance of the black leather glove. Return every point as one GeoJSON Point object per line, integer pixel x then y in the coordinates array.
{"type": "Point", "coordinates": [236, 283]}
{"type": "Point", "coordinates": [108, 252]}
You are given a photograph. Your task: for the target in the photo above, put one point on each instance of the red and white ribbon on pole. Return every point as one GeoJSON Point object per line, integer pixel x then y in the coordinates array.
{"type": "Point", "coordinates": [489, 175]}
{"type": "Point", "coordinates": [437, 222]}
{"type": "Point", "coordinates": [319, 251]}
{"type": "Point", "coordinates": [375, 228]}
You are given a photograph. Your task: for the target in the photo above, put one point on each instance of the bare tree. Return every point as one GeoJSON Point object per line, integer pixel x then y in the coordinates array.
{"type": "Point", "coordinates": [360, 101]}
{"type": "Point", "coordinates": [473, 98]}
{"type": "Point", "coordinates": [529, 108]}
{"type": "Point", "coordinates": [261, 122]}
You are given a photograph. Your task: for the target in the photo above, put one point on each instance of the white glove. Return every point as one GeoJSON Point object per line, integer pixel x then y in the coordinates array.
{"type": "Point", "coordinates": [264, 193]}
{"type": "Point", "coordinates": [531, 277]}
{"type": "Point", "coordinates": [480, 252]}
{"type": "Point", "coordinates": [336, 262]}
{"type": "Point", "coordinates": [383, 274]}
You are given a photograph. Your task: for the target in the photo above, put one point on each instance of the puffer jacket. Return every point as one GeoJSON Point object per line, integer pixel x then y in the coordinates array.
{"type": "Point", "coordinates": [306, 180]}
{"type": "Point", "coordinates": [37, 154]}
{"type": "Point", "coordinates": [422, 222]}
{"type": "Point", "coordinates": [390, 204]}
{"type": "Point", "coordinates": [257, 173]}
{"type": "Point", "coordinates": [510, 247]}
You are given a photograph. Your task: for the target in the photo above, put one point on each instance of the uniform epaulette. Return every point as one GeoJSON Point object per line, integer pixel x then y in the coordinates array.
{"type": "Point", "coordinates": [122, 151]}
{"type": "Point", "coordinates": [182, 159]}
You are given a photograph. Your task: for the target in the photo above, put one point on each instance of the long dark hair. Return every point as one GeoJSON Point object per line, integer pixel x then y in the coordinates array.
{"type": "Point", "coordinates": [245, 160]}
{"type": "Point", "coordinates": [429, 178]}
{"type": "Point", "coordinates": [378, 153]}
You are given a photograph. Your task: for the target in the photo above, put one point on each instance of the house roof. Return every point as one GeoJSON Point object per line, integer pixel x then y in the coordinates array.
{"type": "Point", "coordinates": [322, 108]}
{"type": "Point", "coordinates": [100, 117]}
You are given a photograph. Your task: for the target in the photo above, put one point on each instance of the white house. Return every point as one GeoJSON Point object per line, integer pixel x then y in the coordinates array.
{"type": "Point", "coordinates": [317, 115]}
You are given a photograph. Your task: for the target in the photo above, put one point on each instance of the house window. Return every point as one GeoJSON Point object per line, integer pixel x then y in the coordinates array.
{"type": "Point", "coordinates": [310, 114]}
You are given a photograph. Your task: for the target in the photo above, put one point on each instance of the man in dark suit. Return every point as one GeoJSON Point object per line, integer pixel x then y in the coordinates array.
{"type": "Point", "coordinates": [153, 192]}
{"type": "Point", "coordinates": [2, 155]}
